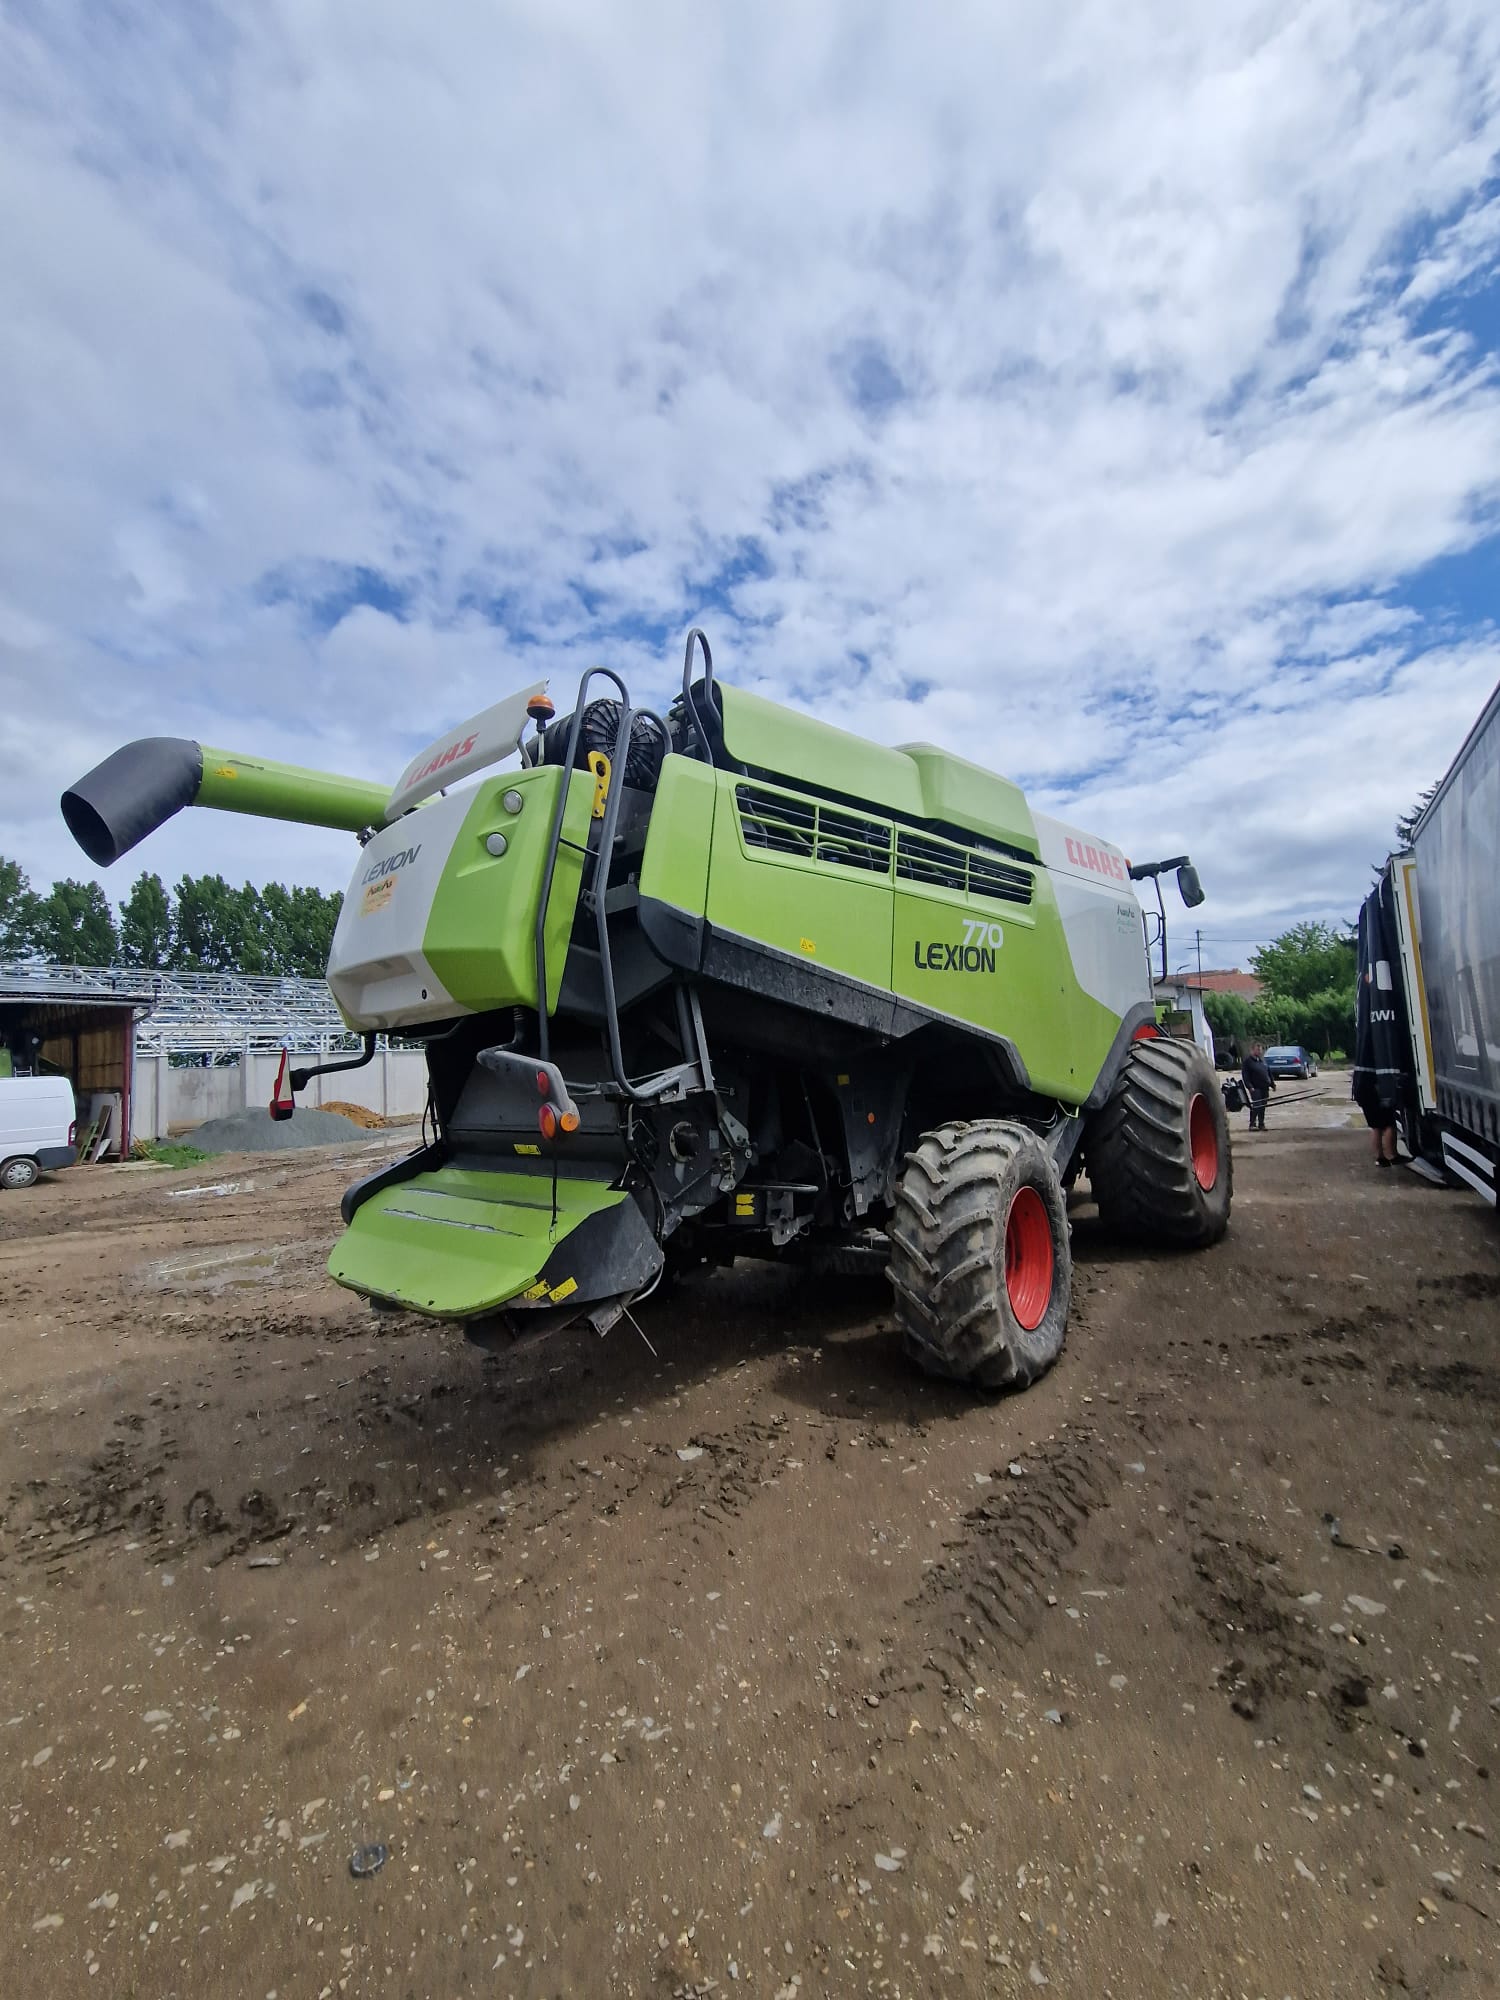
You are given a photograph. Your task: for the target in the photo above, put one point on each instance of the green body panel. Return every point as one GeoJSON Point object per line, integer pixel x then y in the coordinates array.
{"type": "Point", "coordinates": [917, 782]}
{"type": "Point", "coordinates": [816, 910]}
{"type": "Point", "coordinates": [779, 740]}
{"type": "Point", "coordinates": [1015, 978]}
{"type": "Point", "coordinates": [1013, 974]}
{"type": "Point", "coordinates": [958, 793]}
{"type": "Point", "coordinates": [480, 935]}
{"type": "Point", "coordinates": [456, 1242]}
{"type": "Point", "coordinates": [231, 783]}
{"type": "Point", "coordinates": [674, 868]}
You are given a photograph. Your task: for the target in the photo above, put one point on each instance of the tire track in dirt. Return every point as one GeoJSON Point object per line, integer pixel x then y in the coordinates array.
{"type": "Point", "coordinates": [994, 1586]}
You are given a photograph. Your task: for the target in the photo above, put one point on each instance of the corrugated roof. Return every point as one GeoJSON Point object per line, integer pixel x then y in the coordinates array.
{"type": "Point", "coordinates": [75, 986]}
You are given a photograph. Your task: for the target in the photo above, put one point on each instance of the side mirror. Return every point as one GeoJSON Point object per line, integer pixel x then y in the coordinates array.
{"type": "Point", "coordinates": [1188, 886]}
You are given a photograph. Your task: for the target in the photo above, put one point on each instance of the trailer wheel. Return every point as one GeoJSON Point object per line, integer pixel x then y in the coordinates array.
{"type": "Point", "coordinates": [1159, 1158]}
{"type": "Point", "coordinates": [980, 1257]}
{"type": "Point", "coordinates": [19, 1173]}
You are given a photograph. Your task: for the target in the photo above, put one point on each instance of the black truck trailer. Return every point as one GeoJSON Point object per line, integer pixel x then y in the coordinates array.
{"type": "Point", "coordinates": [1428, 1027]}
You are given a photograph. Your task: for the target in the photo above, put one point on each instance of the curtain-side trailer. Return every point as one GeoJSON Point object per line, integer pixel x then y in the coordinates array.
{"type": "Point", "coordinates": [1442, 900]}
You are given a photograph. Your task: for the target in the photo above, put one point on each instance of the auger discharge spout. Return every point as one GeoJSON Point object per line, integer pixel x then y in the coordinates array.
{"type": "Point", "coordinates": [137, 789]}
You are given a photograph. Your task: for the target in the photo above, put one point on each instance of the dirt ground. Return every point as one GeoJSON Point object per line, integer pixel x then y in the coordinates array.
{"type": "Point", "coordinates": [756, 1664]}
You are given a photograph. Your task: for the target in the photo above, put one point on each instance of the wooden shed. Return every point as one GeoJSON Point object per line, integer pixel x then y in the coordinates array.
{"type": "Point", "coordinates": [62, 1021]}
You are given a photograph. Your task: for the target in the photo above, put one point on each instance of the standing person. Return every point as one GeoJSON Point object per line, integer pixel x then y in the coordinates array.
{"type": "Point", "coordinates": [1259, 1083]}
{"type": "Point", "coordinates": [1381, 1119]}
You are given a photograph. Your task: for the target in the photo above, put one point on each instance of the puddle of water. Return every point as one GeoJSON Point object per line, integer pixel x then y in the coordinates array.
{"type": "Point", "coordinates": [212, 1270]}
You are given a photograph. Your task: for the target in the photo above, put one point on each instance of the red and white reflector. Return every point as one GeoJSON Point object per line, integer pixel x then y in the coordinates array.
{"type": "Point", "coordinates": [283, 1104]}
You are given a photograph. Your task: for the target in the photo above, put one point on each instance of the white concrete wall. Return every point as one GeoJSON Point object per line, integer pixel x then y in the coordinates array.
{"type": "Point", "coordinates": [163, 1098]}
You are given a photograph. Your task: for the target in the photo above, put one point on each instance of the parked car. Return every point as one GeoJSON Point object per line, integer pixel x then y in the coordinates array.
{"type": "Point", "coordinates": [1290, 1060]}
{"type": "Point", "coordinates": [38, 1128]}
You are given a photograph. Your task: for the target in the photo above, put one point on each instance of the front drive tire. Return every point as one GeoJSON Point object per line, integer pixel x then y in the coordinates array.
{"type": "Point", "coordinates": [1159, 1158]}
{"type": "Point", "coordinates": [980, 1256]}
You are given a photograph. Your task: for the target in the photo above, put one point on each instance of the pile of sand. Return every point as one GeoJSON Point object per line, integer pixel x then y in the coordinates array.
{"type": "Point", "coordinates": [357, 1114]}
{"type": "Point", "coordinates": [258, 1132]}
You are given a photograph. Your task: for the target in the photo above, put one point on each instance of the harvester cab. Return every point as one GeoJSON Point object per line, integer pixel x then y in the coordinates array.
{"type": "Point", "coordinates": [731, 981]}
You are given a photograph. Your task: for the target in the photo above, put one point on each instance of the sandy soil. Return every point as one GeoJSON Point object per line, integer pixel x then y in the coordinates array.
{"type": "Point", "coordinates": [757, 1664]}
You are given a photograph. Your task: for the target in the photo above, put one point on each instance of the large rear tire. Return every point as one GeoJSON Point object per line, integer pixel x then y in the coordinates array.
{"type": "Point", "coordinates": [1159, 1158]}
{"type": "Point", "coordinates": [980, 1257]}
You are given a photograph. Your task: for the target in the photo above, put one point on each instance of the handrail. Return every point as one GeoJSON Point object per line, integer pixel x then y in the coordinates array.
{"type": "Point", "coordinates": [601, 877]}
{"type": "Point", "coordinates": [690, 707]}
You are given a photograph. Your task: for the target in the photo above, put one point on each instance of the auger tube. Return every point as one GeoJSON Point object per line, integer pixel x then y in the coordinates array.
{"type": "Point", "coordinates": [140, 787]}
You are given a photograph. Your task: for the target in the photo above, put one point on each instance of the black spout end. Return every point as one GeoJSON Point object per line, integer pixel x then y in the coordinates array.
{"type": "Point", "coordinates": [131, 794]}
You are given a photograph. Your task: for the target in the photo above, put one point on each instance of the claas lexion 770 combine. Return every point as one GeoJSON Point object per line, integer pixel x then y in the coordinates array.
{"type": "Point", "coordinates": [731, 981]}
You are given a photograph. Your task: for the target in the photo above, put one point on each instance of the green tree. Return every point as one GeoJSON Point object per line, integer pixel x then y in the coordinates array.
{"type": "Point", "coordinates": [257, 946]}
{"type": "Point", "coordinates": [146, 925]}
{"type": "Point", "coordinates": [208, 933]}
{"type": "Point", "coordinates": [1309, 958]}
{"type": "Point", "coordinates": [1272, 1020]}
{"type": "Point", "coordinates": [1228, 1015]}
{"type": "Point", "coordinates": [1406, 826]}
{"type": "Point", "coordinates": [299, 924]}
{"type": "Point", "coordinates": [274, 930]}
{"type": "Point", "coordinates": [19, 904]}
{"type": "Point", "coordinates": [314, 917]}
{"type": "Point", "coordinates": [75, 925]}
{"type": "Point", "coordinates": [1327, 1019]}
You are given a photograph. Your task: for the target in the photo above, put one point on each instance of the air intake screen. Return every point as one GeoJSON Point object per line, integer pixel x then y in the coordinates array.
{"type": "Point", "coordinates": [785, 824]}
{"type": "Point", "coordinates": [972, 871]}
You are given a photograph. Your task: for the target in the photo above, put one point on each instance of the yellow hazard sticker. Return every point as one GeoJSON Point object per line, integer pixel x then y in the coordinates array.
{"type": "Point", "coordinates": [225, 771]}
{"type": "Point", "coordinates": [563, 1291]}
{"type": "Point", "coordinates": [744, 1204]}
{"type": "Point", "coordinates": [809, 947]}
{"type": "Point", "coordinates": [536, 1291]}
{"type": "Point", "coordinates": [377, 896]}
{"type": "Point", "coordinates": [522, 1148]}
{"type": "Point", "coordinates": [843, 1079]}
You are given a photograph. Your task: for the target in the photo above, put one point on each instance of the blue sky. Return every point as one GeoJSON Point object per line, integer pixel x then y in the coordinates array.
{"type": "Point", "coordinates": [1106, 391]}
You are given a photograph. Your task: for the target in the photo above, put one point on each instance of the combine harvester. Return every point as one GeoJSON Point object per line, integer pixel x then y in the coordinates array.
{"type": "Point", "coordinates": [732, 982]}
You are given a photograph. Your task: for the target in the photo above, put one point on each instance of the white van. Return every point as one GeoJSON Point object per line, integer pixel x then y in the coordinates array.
{"type": "Point", "coordinates": [38, 1127]}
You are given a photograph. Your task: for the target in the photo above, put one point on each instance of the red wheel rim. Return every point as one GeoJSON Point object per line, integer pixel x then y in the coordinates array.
{"type": "Point", "coordinates": [1203, 1143]}
{"type": "Point", "coordinates": [1028, 1258]}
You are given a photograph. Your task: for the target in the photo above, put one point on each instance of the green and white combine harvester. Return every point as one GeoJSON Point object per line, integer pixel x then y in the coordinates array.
{"type": "Point", "coordinates": [732, 982]}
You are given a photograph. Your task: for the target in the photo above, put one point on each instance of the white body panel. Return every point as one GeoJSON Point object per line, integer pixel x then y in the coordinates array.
{"type": "Point", "coordinates": [484, 739]}
{"type": "Point", "coordinates": [376, 970]}
{"type": "Point", "coordinates": [36, 1112]}
{"type": "Point", "coordinates": [1100, 913]}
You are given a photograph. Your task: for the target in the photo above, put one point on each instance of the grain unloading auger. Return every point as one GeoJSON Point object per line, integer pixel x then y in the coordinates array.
{"type": "Point", "coordinates": [732, 981]}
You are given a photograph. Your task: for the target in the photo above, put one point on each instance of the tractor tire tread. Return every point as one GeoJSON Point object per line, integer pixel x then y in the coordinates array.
{"type": "Point", "coordinates": [947, 1254]}
{"type": "Point", "coordinates": [1138, 1149]}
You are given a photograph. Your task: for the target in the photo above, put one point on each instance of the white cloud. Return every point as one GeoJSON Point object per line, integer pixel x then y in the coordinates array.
{"type": "Point", "coordinates": [1103, 370]}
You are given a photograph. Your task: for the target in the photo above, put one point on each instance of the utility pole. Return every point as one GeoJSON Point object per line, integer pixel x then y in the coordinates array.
{"type": "Point", "coordinates": [1199, 936]}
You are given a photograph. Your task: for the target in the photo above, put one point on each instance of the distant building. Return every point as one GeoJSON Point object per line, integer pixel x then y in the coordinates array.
{"type": "Point", "coordinates": [1244, 983]}
{"type": "Point", "coordinates": [60, 1020]}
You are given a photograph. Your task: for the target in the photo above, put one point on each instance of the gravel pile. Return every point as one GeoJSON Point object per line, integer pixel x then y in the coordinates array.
{"type": "Point", "coordinates": [258, 1132]}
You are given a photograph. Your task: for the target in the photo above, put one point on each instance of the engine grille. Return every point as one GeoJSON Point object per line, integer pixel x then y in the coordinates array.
{"type": "Point", "coordinates": [793, 824]}
{"type": "Point", "coordinates": [971, 871]}
{"type": "Point", "coordinates": [784, 824]}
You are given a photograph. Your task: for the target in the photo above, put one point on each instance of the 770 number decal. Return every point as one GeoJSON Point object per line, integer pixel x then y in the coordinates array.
{"type": "Point", "coordinates": [976, 953]}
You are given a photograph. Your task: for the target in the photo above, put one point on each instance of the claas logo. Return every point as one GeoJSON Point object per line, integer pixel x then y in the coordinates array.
{"type": "Point", "coordinates": [441, 761]}
{"type": "Point", "coordinates": [1099, 859]}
